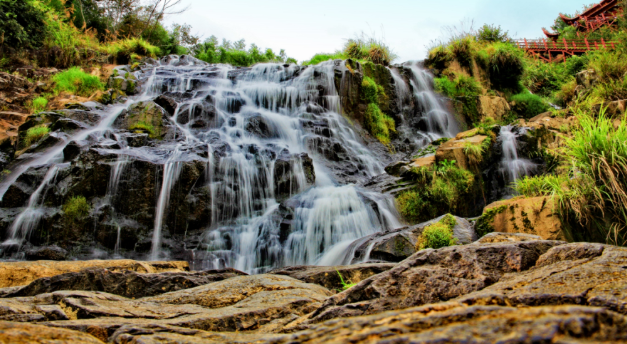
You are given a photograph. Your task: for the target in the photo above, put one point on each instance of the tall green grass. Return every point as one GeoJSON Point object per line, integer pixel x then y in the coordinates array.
{"type": "Point", "coordinates": [363, 48]}
{"type": "Point", "coordinates": [319, 58]}
{"type": "Point", "coordinates": [529, 105]}
{"type": "Point", "coordinates": [35, 133]}
{"type": "Point", "coordinates": [75, 81]}
{"type": "Point", "coordinates": [39, 104]}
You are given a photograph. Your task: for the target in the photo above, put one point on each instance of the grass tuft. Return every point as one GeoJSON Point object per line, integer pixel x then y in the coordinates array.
{"type": "Point", "coordinates": [438, 235]}
{"type": "Point", "coordinates": [35, 133]}
{"type": "Point", "coordinates": [75, 81]}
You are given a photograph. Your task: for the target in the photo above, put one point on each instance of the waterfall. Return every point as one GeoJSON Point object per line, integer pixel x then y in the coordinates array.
{"type": "Point", "coordinates": [439, 122]}
{"type": "Point", "coordinates": [28, 219]}
{"type": "Point", "coordinates": [512, 166]}
{"type": "Point", "coordinates": [277, 152]}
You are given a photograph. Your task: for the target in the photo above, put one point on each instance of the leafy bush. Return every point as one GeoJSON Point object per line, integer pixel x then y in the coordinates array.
{"type": "Point", "coordinates": [368, 48]}
{"type": "Point", "coordinates": [506, 66]}
{"type": "Point", "coordinates": [75, 81]}
{"type": "Point", "coordinates": [439, 190]}
{"type": "Point", "coordinates": [545, 78]}
{"type": "Point", "coordinates": [438, 235]}
{"type": "Point", "coordinates": [492, 33]}
{"type": "Point", "coordinates": [22, 23]}
{"type": "Point", "coordinates": [463, 50]}
{"type": "Point", "coordinates": [76, 208]}
{"type": "Point", "coordinates": [439, 57]}
{"type": "Point", "coordinates": [235, 53]}
{"type": "Point", "coordinates": [39, 104]}
{"type": "Point", "coordinates": [529, 105]}
{"type": "Point", "coordinates": [35, 133]}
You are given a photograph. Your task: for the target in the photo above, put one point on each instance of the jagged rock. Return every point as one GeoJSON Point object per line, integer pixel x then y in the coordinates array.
{"type": "Point", "coordinates": [581, 274]}
{"type": "Point", "coordinates": [492, 107]}
{"type": "Point", "coordinates": [144, 116]}
{"type": "Point", "coordinates": [52, 252]}
{"type": "Point", "coordinates": [329, 277]}
{"type": "Point", "coordinates": [74, 149]}
{"type": "Point", "coordinates": [242, 303]}
{"type": "Point", "coordinates": [398, 244]}
{"type": "Point", "coordinates": [168, 103]}
{"type": "Point", "coordinates": [496, 237]}
{"type": "Point", "coordinates": [22, 273]}
{"type": "Point", "coordinates": [431, 276]}
{"type": "Point", "coordinates": [126, 283]}
{"type": "Point", "coordinates": [285, 181]}
{"type": "Point", "coordinates": [258, 125]}
{"type": "Point", "coordinates": [456, 150]}
{"type": "Point", "coordinates": [534, 216]}
{"type": "Point", "coordinates": [20, 333]}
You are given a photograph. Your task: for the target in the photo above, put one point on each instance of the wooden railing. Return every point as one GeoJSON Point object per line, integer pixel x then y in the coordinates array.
{"type": "Point", "coordinates": [563, 44]}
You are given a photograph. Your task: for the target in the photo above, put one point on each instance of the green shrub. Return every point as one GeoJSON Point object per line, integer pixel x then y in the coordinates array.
{"type": "Point", "coordinates": [608, 65]}
{"type": "Point", "coordinates": [39, 104]}
{"type": "Point", "coordinates": [235, 53]}
{"type": "Point", "coordinates": [529, 105]}
{"type": "Point", "coordinates": [370, 49]}
{"type": "Point", "coordinates": [463, 50]}
{"type": "Point", "coordinates": [464, 90]}
{"type": "Point", "coordinates": [439, 190]}
{"type": "Point", "coordinates": [35, 133]}
{"type": "Point", "coordinates": [438, 235]}
{"type": "Point", "coordinates": [506, 66]}
{"type": "Point", "coordinates": [492, 33]}
{"type": "Point", "coordinates": [75, 81]}
{"type": "Point", "coordinates": [22, 24]}
{"type": "Point", "coordinates": [439, 57]}
{"type": "Point", "coordinates": [544, 78]}
{"type": "Point", "coordinates": [76, 208]}
{"type": "Point", "coordinates": [124, 49]}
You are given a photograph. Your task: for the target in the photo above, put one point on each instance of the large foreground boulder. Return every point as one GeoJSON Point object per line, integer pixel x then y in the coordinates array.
{"type": "Point", "coordinates": [432, 276]}
{"type": "Point", "coordinates": [14, 274]}
{"type": "Point", "coordinates": [129, 284]}
{"type": "Point", "coordinates": [21, 333]}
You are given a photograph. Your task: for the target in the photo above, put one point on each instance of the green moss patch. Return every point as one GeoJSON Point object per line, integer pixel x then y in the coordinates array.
{"type": "Point", "coordinates": [438, 235]}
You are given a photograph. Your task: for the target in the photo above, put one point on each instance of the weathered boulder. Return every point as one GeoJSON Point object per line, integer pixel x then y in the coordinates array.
{"type": "Point", "coordinates": [21, 333]}
{"type": "Point", "coordinates": [125, 283]}
{"type": "Point", "coordinates": [461, 150]}
{"type": "Point", "coordinates": [496, 237]}
{"type": "Point", "coordinates": [22, 273]}
{"type": "Point", "coordinates": [331, 277]}
{"type": "Point", "coordinates": [577, 274]}
{"type": "Point", "coordinates": [52, 252]}
{"type": "Point", "coordinates": [536, 216]}
{"type": "Point", "coordinates": [242, 303]}
{"type": "Point", "coordinates": [431, 276]}
{"type": "Point", "coordinates": [492, 107]}
{"type": "Point", "coordinates": [146, 117]}
{"type": "Point", "coordinates": [587, 78]}
{"type": "Point", "coordinates": [397, 244]}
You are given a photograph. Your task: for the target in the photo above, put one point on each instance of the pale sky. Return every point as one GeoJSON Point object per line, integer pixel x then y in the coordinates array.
{"type": "Point", "coordinates": [304, 28]}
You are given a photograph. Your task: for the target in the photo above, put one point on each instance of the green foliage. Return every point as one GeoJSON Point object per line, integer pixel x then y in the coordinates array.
{"type": "Point", "coordinates": [142, 126]}
{"type": "Point", "coordinates": [484, 223]}
{"type": "Point", "coordinates": [440, 189]}
{"type": "Point", "coordinates": [39, 104]}
{"type": "Point", "coordinates": [369, 48]}
{"type": "Point", "coordinates": [235, 53]}
{"type": "Point", "coordinates": [319, 58]}
{"type": "Point", "coordinates": [123, 50]}
{"type": "Point", "coordinates": [75, 81]}
{"type": "Point", "coordinates": [598, 151]}
{"type": "Point", "coordinates": [492, 33]}
{"type": "Point", "coordinates": [438, 235]}
{"type": "Point", "coordinates": [75, 208]}
{"type": "Point", "coordinates": [505, 66]}
{"type": "Point", "coordinates": [464, 90]}
{"type": "Point", "coordinates": [22, 24]}
{"type": "Point", "coordinates": [35, 133]}
{"type": "Point", "coordinates": [345, 284]}
{"type": "Point", "coordinates": [464, 50]}
{"type": "Point", "coordinates": [439, 57]}
{"type": "Point", "coordinates": [545, 185]}
{"type": "Point", "coordinates": [376, 122]}
{"type": "Point", "coordinates": [529, 105]}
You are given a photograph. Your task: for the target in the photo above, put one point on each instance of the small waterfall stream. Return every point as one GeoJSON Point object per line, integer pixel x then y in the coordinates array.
{"type": "Point", "coordinates": [512, 166]}
{"type": "Point", "coordinates": [276, 149]}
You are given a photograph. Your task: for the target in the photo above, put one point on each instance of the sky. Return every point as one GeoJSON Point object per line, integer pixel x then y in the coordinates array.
{"type": "Point", "coordinates": [304, 28]}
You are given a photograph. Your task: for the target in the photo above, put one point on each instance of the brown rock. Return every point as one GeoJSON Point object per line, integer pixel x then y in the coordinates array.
{"type": "Point", "coordinates": [124, 283]}
{"type": "Point", "coordinates": [20, 333]}
{"type": "Point", "coordinates": [424, 162]}
{"type": "Point", "coordinates": [534, 216]}
{"type": "Point", "coordinates": [456, 150]}
{"type": "Point", "coordinates": [329, 276]}
{"type": "Point", "coordinates": [496, 237]}
{"type": "Point", "coordinates": [22, 273]}
{"type": "Point", "coordinates": [431, 276]}
{"type": "Point", "coordinates": [580, 274]}
{"type": "Point", "coordinates": [492, 107]}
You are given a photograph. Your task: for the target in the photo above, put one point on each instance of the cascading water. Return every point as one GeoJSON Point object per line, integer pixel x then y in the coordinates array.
{"type": "Point", "coordinates": [512, 166]}
{"type": "Point", "coordinates": [439, 122]}
{"type": "Point", "coordinates": [279, 160]}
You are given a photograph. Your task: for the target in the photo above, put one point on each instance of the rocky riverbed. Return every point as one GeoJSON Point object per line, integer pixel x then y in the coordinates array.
{"type": "Point", "coordinates": [512, 288]}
